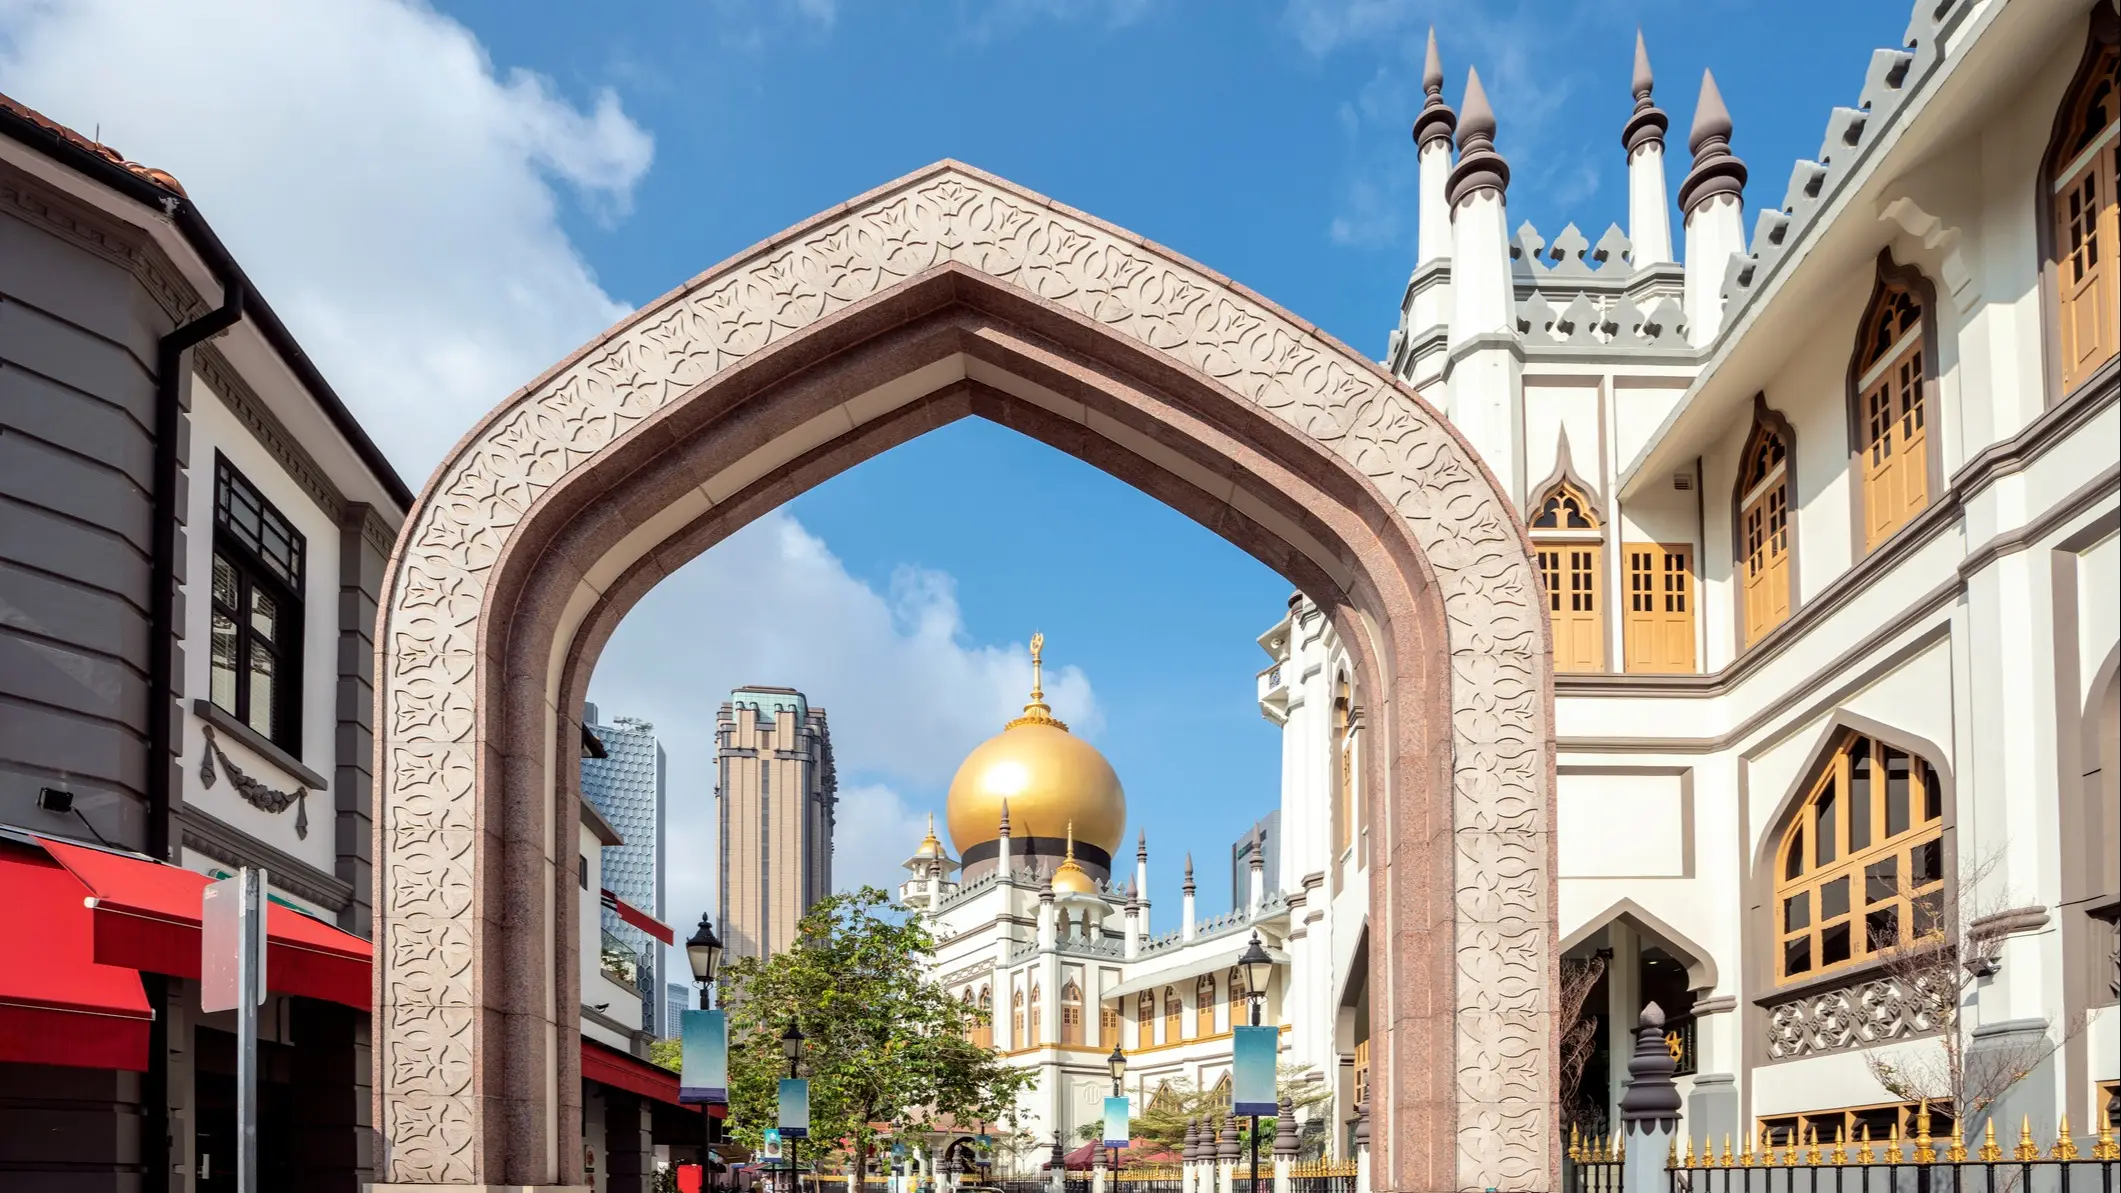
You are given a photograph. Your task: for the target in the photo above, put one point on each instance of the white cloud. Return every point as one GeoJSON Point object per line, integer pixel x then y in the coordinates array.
{"type": "Point", "coordinates": [394, 194]}
{"type": "Point", "coordinates": [907, 692]}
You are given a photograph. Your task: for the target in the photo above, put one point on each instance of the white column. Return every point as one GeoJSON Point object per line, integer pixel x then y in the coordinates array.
{"type": "Point", "coordinates": [1186, 903]}
{"type": "Point", "coordinates": [1141, 876]}
{"type": "Point", "coordinates": [1004, 862]}
{"type": "Point", "coordinates": [1649, 216]}
{"type": "Point", "coordinates": [1484, 365]}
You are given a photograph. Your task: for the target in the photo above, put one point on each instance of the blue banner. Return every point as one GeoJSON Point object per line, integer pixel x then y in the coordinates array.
{"type": "Point", "coordinates": [703, 1068]}
{"type": "Point", "coordinates": [1252, 1054]}
{"type": "Point", "coordinates": [1116, 1125]}
{"type": "Point", "coordinates": [795, 1108]}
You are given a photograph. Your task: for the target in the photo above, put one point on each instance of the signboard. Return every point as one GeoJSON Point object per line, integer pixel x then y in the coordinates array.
{"type": "Point", "coordinates": [703, 1066]}
{"type": "Point", "coordinates": [1116, 1124]}
{"type": "Point", "coordinates": [1253, 1051]}
{"type": "Point", "coordinates": [795, 1108]}
{"type": "Point", "coordinates": [221, 930]}
{"type": "Point", "coordinates": [770, 1146]}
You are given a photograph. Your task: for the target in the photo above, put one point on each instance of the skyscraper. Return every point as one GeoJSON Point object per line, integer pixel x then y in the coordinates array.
{"type": "Point", "coordinates": [775, 790]}
{"type": "Point", "coordinates": [626, 785]}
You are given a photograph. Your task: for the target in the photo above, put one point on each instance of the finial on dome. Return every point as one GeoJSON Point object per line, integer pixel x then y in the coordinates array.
{"type": "Point", "coordinates": [1436, 119]}
{"type": "Point", "coordinates": [1479, 167]}
{"type": "Point", "coordinates": [1716, 170]}
{"type": "Point", "coordinates": [1036, 712]}
{"type": "Point", "coordinates": [1071, 841]}
{"type": "Point", "coordinates": [1648, 122]}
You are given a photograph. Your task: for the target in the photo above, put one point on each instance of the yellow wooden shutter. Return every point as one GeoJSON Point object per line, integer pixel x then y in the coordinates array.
{"type": "Point", "coordinates": [2085, 242]}
{"type": "Point", "coordinates": [1767, 549]}
{"type": "Point", "coordinates": [1659, 631]}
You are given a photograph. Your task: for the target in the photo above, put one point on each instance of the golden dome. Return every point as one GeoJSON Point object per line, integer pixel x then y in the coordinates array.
{"type": "Point", "coordinates": [1070, 878]}
{"type": "Point", "coordinates": [930, 847]}
{"type": "Point", "coordinates": [1049, 778]}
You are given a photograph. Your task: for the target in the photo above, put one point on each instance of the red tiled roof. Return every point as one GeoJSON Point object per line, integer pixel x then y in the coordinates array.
{"type": "Point", "coordinates": [161, 178]}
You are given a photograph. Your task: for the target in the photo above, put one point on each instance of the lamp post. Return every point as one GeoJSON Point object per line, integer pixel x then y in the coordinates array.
{"type": "Point", "coordinates": [1117, 1063]}
{"type": "Point", "coordinates": [704, 951]}
{"type": "Point", "coordinates": [1258, 970]}
{"type": "Point", "coordinates": [792, 1048]}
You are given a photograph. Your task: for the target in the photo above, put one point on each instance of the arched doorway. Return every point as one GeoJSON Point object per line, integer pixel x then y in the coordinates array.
{"type": "Point", "coordinates": [947, 294]}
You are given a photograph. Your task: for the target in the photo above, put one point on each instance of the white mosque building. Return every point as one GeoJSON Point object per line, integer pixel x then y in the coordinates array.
{"type": "Point", "coordinates": [1827, 515]}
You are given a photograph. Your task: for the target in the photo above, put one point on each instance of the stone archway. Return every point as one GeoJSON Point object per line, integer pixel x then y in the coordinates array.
{"type": "Point", "coordinates": [946, 294]}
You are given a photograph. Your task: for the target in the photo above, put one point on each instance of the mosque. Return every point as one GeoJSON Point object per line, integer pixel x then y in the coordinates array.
{"type": "Point", "coordinates": [1826, 517]}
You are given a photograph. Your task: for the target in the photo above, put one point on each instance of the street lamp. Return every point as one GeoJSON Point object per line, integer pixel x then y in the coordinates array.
{"type": "Point", "coordinates": [792, 1048]}
{"type": "Point", "coordinates": [1258, 969]}
{"type": "Point", "coordinates": [704, 950]}
{"type": "Point", "coordinates": [1117, 1063]}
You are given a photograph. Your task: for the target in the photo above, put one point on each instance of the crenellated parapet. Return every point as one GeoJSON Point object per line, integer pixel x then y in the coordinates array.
{"type": "Point", "coordinates": [1852, 134]}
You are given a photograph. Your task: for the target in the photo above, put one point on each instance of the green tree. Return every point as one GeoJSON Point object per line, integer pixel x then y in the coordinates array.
{"type": "Point", "coordinates": [885, 1043]}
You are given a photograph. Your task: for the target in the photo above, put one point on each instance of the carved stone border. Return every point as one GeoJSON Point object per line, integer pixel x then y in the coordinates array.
{"type": "Point", "coordinates": [435, 1119]}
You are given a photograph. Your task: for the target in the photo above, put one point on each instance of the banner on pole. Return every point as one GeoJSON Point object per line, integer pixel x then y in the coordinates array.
{"type": "Point", "coordinates": [703, 1066]}
{"type": "Point", "coordinates": [1117, 1127]}
{"type": "Point", "coordinates": [795, 1108]}
{"type": "Point", "coordinates": [770, 1145]}
{"type": "Point", "coordinates": [1253, 1051]}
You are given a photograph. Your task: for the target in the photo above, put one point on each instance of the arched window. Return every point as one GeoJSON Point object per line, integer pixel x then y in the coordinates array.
{"type": "Point", "coordinates": [1174, 1016]}
{"type": "Point", "coordinates": [1565, 534]}
{"type": "Point", "coordinates": [1891, 382]}
{"type": "Point", "coordinates": [1071, 1013]}
{"type": "Point", "coordinates": [1204, 1006]}
{"type": "Point", "coordinates": [985, 1033]}
{"type": "Point", "coordinates": [1038, 1019]}
{"type": "Point", "coordinates": [1860, 868]}
{"type": "Point", "coordinates": [1764, 529]}
{"type": "Point", "coordinates": [1016, 1020]}
{"type": "Point", "coordinates": [1343, 767]}
{"type": "Point", "coordinates": [1234, 983]}
{"type": "Point", "coordinates": [2082, 232]}
{"type": "Point", "coordinates": [1108, 1022]}
{"type": "Point", "coordinates": [1145, 1018]}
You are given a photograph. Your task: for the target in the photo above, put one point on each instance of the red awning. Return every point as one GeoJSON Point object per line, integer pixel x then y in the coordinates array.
{"type": "Point", "coordinates": [57, 1005]}
{"type": "Point", "coordinates": [640, 919]}
{"type": "Point", "coordinates": [146, 916]}
{"type": "Point", "coordinates": [606, 1065]}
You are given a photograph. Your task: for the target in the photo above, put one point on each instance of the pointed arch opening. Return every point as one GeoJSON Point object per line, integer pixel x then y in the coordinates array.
{"type": "Point", "coordinates": [2080, 210]}
{"type": "Point", "coordinates": [1071, 1010]}
{"type": "Point", "coordinates": [1568, 537]}
{"type": "Point", "coordinates": [945, 295]}
{"type": "Point", "coordinates": [1892, 390]}
{"type": "Point", "coordinates": [1204, 1006]}
{"type": "Point", "coordinates": [1764, 525]}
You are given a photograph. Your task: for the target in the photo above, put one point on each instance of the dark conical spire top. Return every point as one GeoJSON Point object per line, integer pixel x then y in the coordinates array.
{"type": "Point", "coordinates": [1189, 874]}
{"type": "Point", "coordinates": [1648, 122]}
{"type": "Point", "coordinates": [1479, 166]}
{"type": "Point", "coordinates": [1437, 119]}
{"type": "Point", "coordinates": [1141, 845]}
{"type": "Point", "coordinates": [1650, 1093]}
{"type": "Point", "coordinates": [1716, 171]}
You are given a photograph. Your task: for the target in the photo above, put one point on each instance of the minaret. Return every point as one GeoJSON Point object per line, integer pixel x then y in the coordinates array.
{"type": "Point", "coordinates": [1485, 366]}
{"type": "Point", "coordinates": [1047, 929]}
{"type": "Point", "coordinates": [1141, 874]}
{"type": "Point", "coordinates": [1432, 138]}
{"type": "Point", "coordinates": [1002, 861]}
{"type": "Point", "coordinates": [1186, 910]}
{"type": "Point", "coordinates": [1649, 220]}
{"type": "Point", "coordinates": [1712, 203]}
{"type": "Point", "coordinates": [1134, 924]}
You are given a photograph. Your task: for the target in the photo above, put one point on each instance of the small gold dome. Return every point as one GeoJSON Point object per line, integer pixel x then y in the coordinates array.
{"type": "Point", "coordinates": [930, 847]}
{"type": "Point", "coordinates": [1049, 778]}
{"type": "Point", "coordinates": [1070, 878]}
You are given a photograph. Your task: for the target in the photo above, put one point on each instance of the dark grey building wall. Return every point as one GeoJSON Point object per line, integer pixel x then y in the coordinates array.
{"type": "Point", "coordinates": [78, 328]}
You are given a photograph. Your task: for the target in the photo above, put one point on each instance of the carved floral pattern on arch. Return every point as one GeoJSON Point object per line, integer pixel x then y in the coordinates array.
{"type": "Point", "coordinates": [430, 655]}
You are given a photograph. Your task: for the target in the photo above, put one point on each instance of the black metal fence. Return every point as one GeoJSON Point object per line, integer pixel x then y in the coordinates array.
{"type": "Point", "coordinates": [1879, 1176]}
{"type": "Point", "coordinates": [1322, 1177]}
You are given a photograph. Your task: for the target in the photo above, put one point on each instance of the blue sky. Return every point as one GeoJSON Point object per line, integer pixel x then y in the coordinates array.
{"type": "Point", "coordinates": [443, 201]}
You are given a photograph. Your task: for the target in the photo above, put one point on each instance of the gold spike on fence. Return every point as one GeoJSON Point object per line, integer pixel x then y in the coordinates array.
{"type": "Point", "coordinates": [2065, 1144]}
{"type": "Point", "coordinates": [1864, 1154]}
{"type": "Point", "coordinates": [2105, 1147]}
{"type": "Point", "coordinates": [1989, 1153]}
{"type": "Point", "coordinates": [2027, 1149]}
{"type": "Point", "coordinates": [1745, 1153]}
{"type": "Point", "coordinates": [1620, 1148]}
{"type": "Point", "coordinates": [1892, 1150]}
{"type": "Point", "coordinates": [1811, 1149]}
{"type": "Point", "coordinates": [1956, 1153]}
{"type": "Point", "coordinates": [1925, 1147]}
{"type": "Point", "coordinates": [1575, 1145]}
{"type": "Point", "coordinates": [1725, 1161]}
